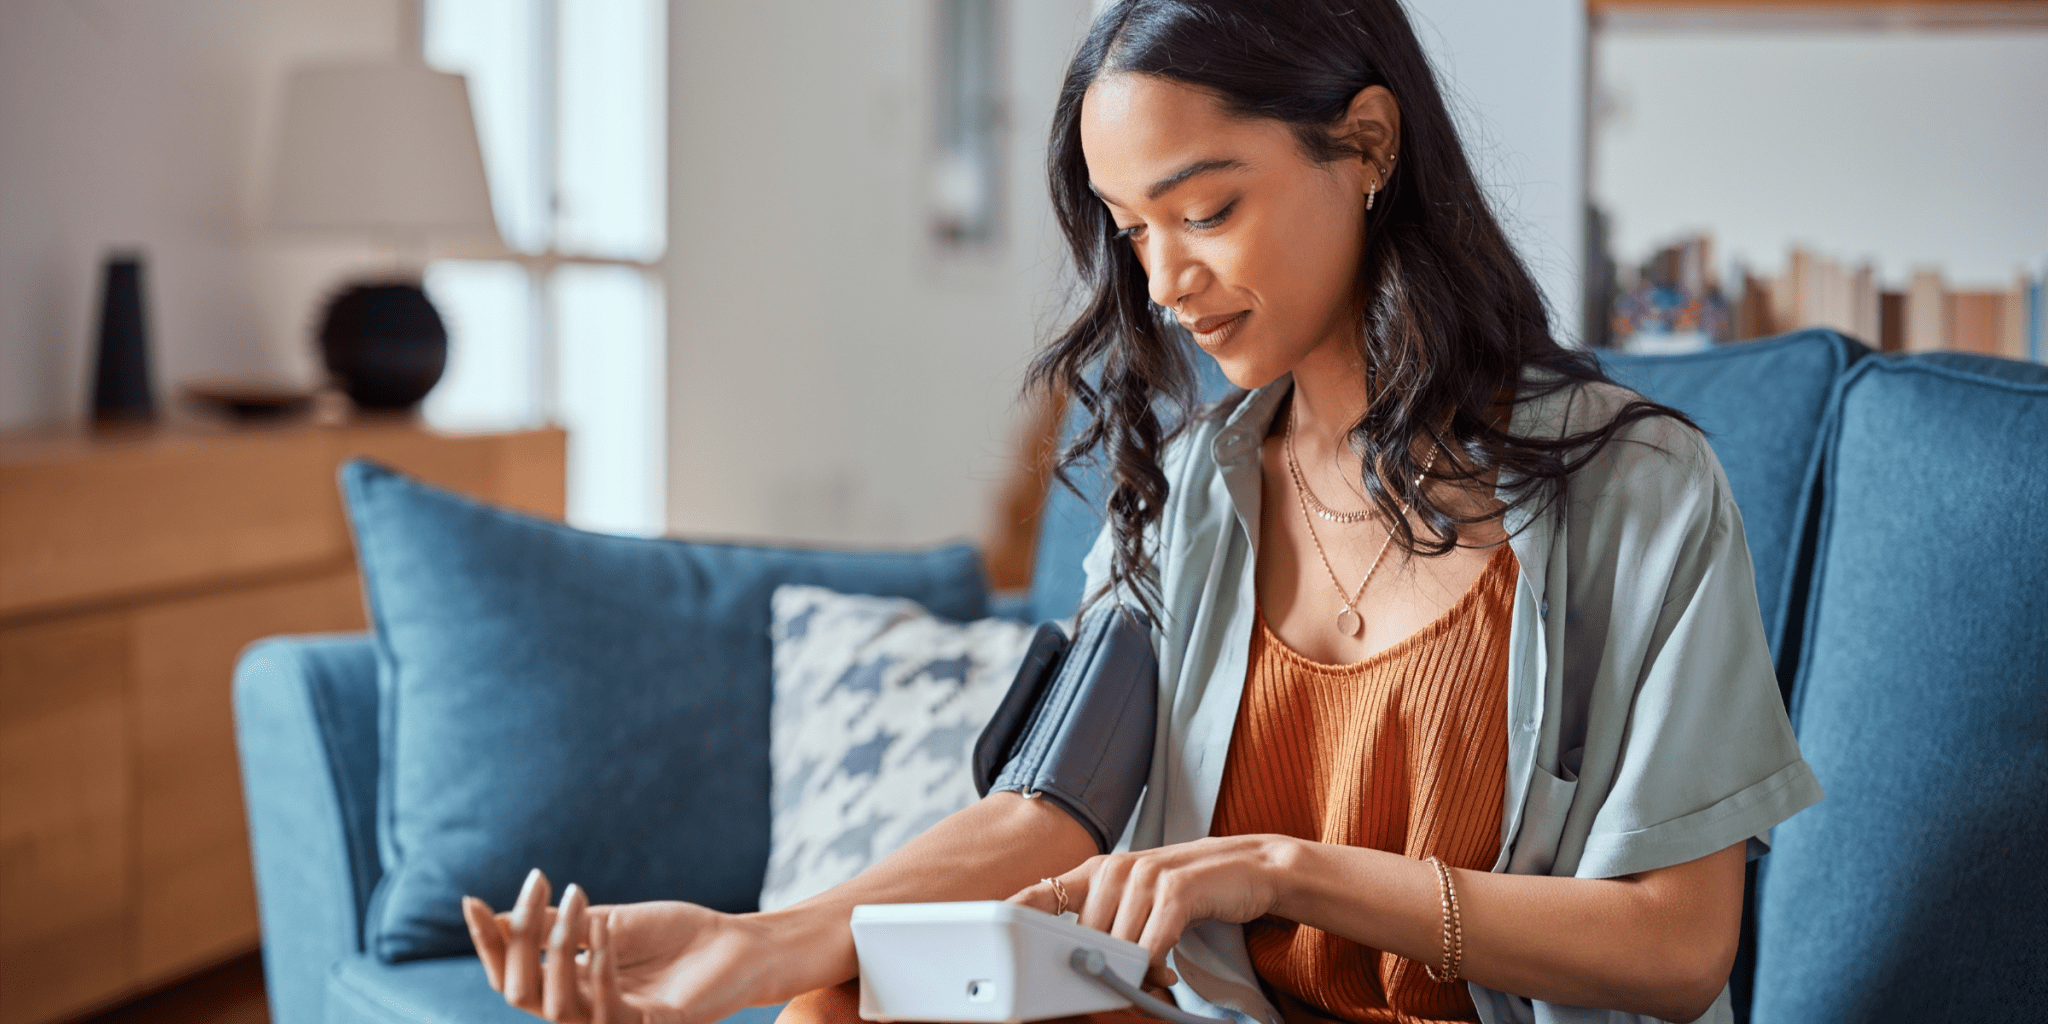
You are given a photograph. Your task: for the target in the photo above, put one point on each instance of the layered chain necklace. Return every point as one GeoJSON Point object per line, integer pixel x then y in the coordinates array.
{"type": "Point", "coordinates": [1349, 622]}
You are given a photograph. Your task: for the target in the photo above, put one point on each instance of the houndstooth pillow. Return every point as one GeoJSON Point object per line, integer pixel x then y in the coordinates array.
{"type": "Point", "coordinates": [877, 707]}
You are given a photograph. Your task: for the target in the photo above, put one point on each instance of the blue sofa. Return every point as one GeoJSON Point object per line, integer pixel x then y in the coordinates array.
{"type": "Point", "coordinates": [1888, 504]}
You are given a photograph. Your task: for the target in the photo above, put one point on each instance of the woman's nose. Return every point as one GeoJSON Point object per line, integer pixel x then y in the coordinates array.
{"type": "Point", "coordinates": [1171, 274]}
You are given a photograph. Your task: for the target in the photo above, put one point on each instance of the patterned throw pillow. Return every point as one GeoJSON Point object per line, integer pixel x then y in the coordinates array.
{"type": "Point", "coordinates": [877, 707]}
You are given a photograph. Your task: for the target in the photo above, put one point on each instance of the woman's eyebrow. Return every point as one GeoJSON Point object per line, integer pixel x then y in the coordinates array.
{"type": "Point", "coordinates": [1172, 181]}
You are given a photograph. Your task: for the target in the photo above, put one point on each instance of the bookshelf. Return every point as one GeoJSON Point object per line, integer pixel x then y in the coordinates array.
{"type": "Point", "coordinates": [1876, 14]}
{"type": "Point", "coordinates": [1674, 301]}
{"type": "Point", "coordinates": [1814, 260]}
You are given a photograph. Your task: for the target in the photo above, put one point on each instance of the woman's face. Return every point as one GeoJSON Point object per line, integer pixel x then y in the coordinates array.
{"type": "Point", "coordinates": [1251, 244]}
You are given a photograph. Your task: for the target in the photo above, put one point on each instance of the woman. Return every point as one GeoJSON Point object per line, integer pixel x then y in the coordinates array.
{"type": "Point", "coordinates": [1467, 708]}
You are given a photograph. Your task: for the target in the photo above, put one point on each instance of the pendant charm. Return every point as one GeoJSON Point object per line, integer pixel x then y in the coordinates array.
{"type": "Point", "coordinates": [1350, 623]}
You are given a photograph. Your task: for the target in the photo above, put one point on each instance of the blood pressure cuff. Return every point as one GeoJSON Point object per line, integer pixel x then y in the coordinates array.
{"type": "Point", "coordinates": [1076, 727]}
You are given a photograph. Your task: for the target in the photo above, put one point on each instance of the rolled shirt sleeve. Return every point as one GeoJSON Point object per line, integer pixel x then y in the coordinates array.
{"type": "Point", "coordinates": [1683, 746]}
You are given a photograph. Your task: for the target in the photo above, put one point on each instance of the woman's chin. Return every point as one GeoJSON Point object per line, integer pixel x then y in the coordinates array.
{"type": "Point", "coordinates": [1245, 356]}
{"type": "Point", "coordinates": [1246, 370]}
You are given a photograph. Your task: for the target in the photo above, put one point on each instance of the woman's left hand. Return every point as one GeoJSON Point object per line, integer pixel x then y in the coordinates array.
{"type": "Point", "coordinates": [1150, 896]}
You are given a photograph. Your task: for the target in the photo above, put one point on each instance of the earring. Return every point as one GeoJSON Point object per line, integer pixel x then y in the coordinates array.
{"type": "Point", "coordinates": [1371, 195]}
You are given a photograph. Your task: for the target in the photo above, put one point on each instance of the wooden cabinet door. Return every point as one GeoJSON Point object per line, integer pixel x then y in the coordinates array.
{"type": "Point", "coordinates": [66, 938]}
{"type": "Point", "coordinates": [195, 898]}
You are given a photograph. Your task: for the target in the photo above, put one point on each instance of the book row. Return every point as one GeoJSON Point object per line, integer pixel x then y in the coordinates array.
{"type": "Point", "coordinates": [1674, 301]}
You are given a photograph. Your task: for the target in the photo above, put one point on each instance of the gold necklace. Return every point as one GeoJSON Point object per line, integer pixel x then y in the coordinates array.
{"type": "Point", "coordinates": [1301, 484]}
{"type": "Point", "coordinates": [1349, 622]}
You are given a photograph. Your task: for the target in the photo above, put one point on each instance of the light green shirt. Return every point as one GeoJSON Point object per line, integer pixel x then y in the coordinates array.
{"type": "Point", "coordinates": [1645, 727]}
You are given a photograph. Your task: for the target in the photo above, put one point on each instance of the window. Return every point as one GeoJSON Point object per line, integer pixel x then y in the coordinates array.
{"type": "Point", "coordinates": [966, 182]}
{"type": "Point", "coordinates": [567, 327]}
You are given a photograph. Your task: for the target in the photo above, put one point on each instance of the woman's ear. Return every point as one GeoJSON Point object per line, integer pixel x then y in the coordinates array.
{"type": "Point", "coordinates": [1373, 125]}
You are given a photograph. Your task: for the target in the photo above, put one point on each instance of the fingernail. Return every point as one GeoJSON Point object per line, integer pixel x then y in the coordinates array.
{"type": "Point", "coordinates": [561, 933]}
{"type": "Point", "coordinates": [522, 907]}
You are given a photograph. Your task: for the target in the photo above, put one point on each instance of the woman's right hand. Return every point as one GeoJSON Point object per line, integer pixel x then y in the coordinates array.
{"type": "Point", "coordinates": [679, 963]}
{"type": "Point", "coordinates": [638, 963]}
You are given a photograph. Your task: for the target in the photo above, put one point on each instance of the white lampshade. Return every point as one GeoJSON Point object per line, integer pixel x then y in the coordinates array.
{"type": "Point", "coordinates": [381, 148]}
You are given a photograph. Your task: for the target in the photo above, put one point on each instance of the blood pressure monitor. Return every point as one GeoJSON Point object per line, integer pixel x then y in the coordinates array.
{"type": "Point", "coordinates": [994, 962]}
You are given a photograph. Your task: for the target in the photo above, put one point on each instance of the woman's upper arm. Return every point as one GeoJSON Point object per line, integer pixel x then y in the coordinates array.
{"type": "Point", "coordinates": [1700, 904]}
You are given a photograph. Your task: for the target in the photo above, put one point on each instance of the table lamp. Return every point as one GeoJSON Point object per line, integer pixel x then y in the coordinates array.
{"type": "Point", "coordinates": [388, 150]}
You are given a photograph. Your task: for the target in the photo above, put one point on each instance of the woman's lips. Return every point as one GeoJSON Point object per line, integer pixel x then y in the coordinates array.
{"type": "Point", "coordinates": [1211, 331]}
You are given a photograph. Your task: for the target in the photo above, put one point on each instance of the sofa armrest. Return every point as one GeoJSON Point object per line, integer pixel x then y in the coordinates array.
{"type": "Point", "coordinates": [306, 729]}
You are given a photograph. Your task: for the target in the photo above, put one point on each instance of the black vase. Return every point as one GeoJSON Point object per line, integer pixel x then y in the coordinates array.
{"type": "Point", "coordinates": [120, 380]}
{"type": "Point", "coordinates": [384, 344]}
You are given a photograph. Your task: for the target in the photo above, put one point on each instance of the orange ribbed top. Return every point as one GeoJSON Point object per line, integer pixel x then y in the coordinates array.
{"type": "Point", "coordinates": [1405, 751]}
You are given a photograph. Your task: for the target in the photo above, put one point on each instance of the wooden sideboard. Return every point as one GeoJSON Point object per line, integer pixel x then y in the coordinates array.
{"type": "Point", "coordinates": [134, 567]}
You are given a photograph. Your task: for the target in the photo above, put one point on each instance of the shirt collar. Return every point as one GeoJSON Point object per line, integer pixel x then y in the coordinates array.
{"type": "Point", "coordinates": [1249, 422]}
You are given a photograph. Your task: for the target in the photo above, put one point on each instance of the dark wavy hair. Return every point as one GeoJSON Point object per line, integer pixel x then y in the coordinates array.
{"type": "Point", "coordinates": [1449, 317]}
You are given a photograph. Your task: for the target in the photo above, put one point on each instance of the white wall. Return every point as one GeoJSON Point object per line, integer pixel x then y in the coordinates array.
{"type": "Point", "coordinates": [1513, 72]}
{"type": "Point", "coordinates": [145, 123]}
{"type": "Point", "coordinates": [831, 378]}
{"type": "Point", "coordinates": [1909, 148]}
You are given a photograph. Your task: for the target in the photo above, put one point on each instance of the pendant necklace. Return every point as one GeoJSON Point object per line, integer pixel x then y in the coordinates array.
{"type": "Point", "coordinates": [1349, 622]}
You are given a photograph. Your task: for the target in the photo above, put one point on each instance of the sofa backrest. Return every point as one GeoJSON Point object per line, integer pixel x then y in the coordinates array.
{"type": "Point", "coordinates": [1762, 404]}
{"type": "Point", "coordinates": [1915, 891]}
{"type": "Point", "coordinates": [1067, 526]}
{"type": "Point", "coordinates": [1069, 522]}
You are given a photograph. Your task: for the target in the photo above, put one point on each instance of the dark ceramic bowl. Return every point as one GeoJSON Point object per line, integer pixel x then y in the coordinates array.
{"type": "Point", "coordinates": [384, 344]}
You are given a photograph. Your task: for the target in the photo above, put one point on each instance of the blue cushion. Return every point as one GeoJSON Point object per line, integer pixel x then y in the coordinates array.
{"type": "Point", "coordinates": [1762, 404]}
{"type": "Point", "coordinates": [595, 706]}
{"type": "Point", "coordinates": [1915, 891]}
{"type": "Point", "coordinates": [449, 990]}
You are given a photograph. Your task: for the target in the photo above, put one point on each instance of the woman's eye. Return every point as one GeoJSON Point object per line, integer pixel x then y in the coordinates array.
{"type": "Point", "coordinates": [1213, 221]}
{"type": "Point", "coordinates": [1131, 233]}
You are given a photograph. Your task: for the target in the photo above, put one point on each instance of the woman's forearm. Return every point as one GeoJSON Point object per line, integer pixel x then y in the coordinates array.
{"type": "Point", "coordinates": [1660, 943]}
{"type": "Point", "coordinates": [986, 852]}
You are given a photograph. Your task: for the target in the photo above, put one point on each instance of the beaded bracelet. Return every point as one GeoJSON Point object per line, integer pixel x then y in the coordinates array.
{"type": "Point", "coordinates": [1454, 929]}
